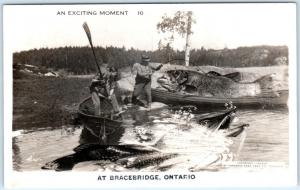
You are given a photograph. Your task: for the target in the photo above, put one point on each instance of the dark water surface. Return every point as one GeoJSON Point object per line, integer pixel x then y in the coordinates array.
{"type": "Point", "coordinates": [266, 139]}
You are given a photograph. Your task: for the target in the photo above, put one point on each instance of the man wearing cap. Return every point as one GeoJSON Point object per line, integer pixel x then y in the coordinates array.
{"type": "Point", "coordinates": [143, 72]}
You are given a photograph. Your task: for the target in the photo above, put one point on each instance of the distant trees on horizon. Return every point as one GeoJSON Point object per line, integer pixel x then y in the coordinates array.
{"type": "Point", "coordinates": [79, 60]}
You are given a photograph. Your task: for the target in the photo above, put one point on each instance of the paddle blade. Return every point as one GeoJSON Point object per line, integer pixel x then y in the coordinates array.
{"type": "Point", "coordinates": [87, 31]}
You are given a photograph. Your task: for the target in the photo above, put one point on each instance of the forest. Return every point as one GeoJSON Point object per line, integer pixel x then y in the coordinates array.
{"type": "Point", "coordinates": [80, 60]}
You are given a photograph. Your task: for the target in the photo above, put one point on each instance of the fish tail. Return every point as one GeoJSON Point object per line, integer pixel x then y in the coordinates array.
{"type": "Point", "coordinates": [266, 83]}
{"type": "Point", "coordinates": [60, 164]}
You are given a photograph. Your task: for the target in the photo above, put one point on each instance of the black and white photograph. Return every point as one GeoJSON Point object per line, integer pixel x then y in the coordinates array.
{"type": "Point", "coordinates": [142, 95]}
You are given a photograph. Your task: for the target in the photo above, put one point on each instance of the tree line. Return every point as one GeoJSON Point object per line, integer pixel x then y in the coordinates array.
{"type": "Point", "coordinates": [80, 60]}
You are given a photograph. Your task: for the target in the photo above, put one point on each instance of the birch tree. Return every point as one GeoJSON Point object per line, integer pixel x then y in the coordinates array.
{"type": "Point", "coordinates": [180, 23]}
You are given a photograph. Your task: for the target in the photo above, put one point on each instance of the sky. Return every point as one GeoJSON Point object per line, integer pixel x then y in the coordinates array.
{"type": "Point", "coordinates": [217, 26]}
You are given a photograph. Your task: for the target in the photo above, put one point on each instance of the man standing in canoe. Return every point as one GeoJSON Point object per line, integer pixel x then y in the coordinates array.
{"type": "Point", "coordinates": [143, 72]}
{"type": "Point", "coordinates": [104, 88]}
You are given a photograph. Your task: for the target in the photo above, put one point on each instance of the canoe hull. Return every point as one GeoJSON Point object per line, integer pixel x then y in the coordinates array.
{"type": "Point", "coordinates": [99, 129]}
{"type": "Point", "coordinates": [212, 102]}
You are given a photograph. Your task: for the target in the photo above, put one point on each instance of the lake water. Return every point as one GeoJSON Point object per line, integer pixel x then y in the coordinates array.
{"type": "Point", "coordinates": [266, 140]}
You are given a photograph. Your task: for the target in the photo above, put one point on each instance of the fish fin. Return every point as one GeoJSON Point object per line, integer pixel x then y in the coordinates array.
{"type": "Point", "coordinates": [213, 73]}
{"type": "Point", "coordinates": [87, 146]}
{"type": "Point", "coordinates": [234, 132]}
{"type": "Point", "coordinates": [235, 76]}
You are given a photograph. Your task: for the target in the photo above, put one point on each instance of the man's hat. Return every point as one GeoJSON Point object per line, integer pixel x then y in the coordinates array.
{"type": "Point", "coordinates": [145, 58]}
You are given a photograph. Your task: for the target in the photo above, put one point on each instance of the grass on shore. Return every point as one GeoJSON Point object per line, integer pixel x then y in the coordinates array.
{"type": "Point", "coordinates": [39, 102]}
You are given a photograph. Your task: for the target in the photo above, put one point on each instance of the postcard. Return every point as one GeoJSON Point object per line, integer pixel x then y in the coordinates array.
{"type": "Point", "coordinates": [150, 95]}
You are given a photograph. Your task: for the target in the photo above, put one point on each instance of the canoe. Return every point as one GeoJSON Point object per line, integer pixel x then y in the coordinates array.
{"type": "Point", "coordinates": [95, 126]}
{"type": "Point", "coordinates": [266, 100]}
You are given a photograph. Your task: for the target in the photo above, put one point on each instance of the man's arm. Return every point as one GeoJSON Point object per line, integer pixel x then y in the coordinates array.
{"type": "Point", "coordinates": [156, 66]}
{"type": "Point", "coordinates": [159, 67]}
{"type": "Point", "coordinates": [134, 70]}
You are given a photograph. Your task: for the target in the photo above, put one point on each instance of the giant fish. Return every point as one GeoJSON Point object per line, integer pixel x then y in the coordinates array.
{"type": "Point", "coordinates": [213, 85]}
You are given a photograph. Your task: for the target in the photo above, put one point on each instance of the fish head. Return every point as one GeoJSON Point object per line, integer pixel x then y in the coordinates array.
{"type": "Point", "coordinates": [178, 76]}
{"type": "Point", "coordinates": [167, 82]}
{"type": "Point", "coordinates": [172, 79]}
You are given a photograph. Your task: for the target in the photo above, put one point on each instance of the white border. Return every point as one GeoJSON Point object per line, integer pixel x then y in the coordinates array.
{"type": "Point", "coordinates": [269, 178]}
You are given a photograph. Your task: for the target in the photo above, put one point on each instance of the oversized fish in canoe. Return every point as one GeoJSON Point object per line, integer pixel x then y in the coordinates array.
{"type": "Point", "coordinates": [213, 85]}
{"type": "Point", "coordinates": [185, 86]}
{"type": "Point", "coordinates": [213, 90]}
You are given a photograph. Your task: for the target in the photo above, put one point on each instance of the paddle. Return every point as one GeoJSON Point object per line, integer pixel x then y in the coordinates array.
{"type": "Point", "coordinates": [89, 36]}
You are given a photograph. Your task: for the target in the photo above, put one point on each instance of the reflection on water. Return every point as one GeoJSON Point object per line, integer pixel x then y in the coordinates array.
{"type": "Point", "coordinates": [267, 140]}
{"type": "Point", "coordinates": [267, 137]}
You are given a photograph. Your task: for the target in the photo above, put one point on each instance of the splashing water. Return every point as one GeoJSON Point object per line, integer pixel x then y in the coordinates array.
{"type": "Point", "coordinates": [197, 147]}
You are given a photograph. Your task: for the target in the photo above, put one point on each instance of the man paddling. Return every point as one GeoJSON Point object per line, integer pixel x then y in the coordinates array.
{"type": "Point", "coordinates": [104, 88]}
{"type": "Point", "coordinates": [111, 79]}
